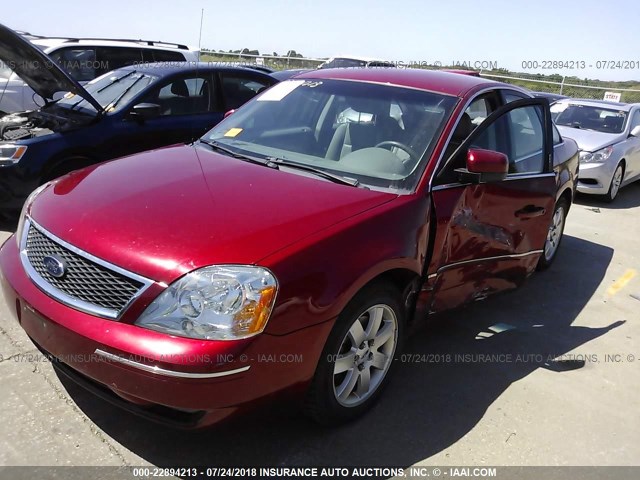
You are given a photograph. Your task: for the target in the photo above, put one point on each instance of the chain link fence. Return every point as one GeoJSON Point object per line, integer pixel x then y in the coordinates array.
{"type": "Point", "coordinates": [531, 82]}
{"type": "Point", "coordinates": [627, 95]}
{"type": "Point", "coordinates": [271, 61]}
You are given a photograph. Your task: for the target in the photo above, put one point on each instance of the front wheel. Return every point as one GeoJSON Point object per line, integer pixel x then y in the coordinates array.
{"type": "Point", "coordinates": [616, 182]}
{"type": "Point", "coordinates": [358, 356]}
{"type": "Point", "coordinates": [554, 235]}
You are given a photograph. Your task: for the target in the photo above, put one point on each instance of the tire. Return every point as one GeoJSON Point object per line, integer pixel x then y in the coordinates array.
{"type": "Point", "coordinates": [616, 182]}
{"type": "Point", "coordinates": [554, 235]}
{"type": "Point", "coordinates": [339, 396]}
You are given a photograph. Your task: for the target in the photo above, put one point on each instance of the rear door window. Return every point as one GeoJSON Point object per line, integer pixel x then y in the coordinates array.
{"type": "Point", "coordinates": [79, 62]}
{"type": "Point", "coordinates": [167, 56]}
{"type": "Point", "coordinates": [111, 58]}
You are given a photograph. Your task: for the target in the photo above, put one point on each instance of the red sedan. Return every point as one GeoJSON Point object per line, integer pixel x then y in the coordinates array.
{"type": "Point", "coordinates": [289, 248]}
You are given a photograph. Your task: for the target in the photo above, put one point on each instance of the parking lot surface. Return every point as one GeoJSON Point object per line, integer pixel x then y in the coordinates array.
{"type": "Point", "coordinates": [546, 375]}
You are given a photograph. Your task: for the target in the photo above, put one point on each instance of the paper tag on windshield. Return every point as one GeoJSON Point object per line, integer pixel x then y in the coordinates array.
{"type": "Point", "coordinates": [279, 91]}
{"type": "Point", "coordinates": [232, 132]}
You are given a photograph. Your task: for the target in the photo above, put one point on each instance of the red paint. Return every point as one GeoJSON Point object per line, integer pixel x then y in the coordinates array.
{"type": "Point", "coordinates": [435, 81]}
{"type": "Point", "coordinates": [486, 161]}
{"type": "Point", "coordinates": [167, 212]}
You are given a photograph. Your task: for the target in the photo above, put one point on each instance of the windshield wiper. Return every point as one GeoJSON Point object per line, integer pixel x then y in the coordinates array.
{"type": "Point", "coordinates": [275, 162]}
{"type": "Point", "coordinates": [105, 87]}
{"type": "Point", "coordinates": [123, 94]}
{"type": "Point", "coordinates": [317, 171]}
{"type": "Point", "coordinates": [116, 81]}
{"type": "Point", "coordinates": [227, 151]}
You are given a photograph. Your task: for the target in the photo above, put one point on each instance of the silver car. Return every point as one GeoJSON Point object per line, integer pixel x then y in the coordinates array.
{"type": "Point", "coordinates": [608, 135]}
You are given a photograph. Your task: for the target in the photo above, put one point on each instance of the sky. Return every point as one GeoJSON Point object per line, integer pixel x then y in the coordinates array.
{"type": "Point", "coordinates": [506, 33]}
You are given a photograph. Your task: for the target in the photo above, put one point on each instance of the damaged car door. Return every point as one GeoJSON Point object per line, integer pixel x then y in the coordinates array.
{"type": "Point", "coordinates": [494, 199]}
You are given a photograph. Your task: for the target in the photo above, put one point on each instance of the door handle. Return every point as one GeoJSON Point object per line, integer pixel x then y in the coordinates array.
{"type": "Point", "coordinates": [530, 211]}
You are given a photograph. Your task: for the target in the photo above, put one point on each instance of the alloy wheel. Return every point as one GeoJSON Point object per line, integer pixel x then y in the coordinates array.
{"type": "Point", "coordinates": [554, 234]}
{"type": "Point", "coordinates": [616, 181]}
{"type": "Point", "coordinates": [365, 355]}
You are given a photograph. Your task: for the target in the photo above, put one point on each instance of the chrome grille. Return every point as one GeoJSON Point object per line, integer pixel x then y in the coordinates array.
{"type": "Point", "coordinates": [84, 280]}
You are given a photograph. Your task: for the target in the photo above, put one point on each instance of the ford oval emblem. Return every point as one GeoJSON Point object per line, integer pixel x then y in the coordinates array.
{"type": "Point", "coordinates": [55, 266]}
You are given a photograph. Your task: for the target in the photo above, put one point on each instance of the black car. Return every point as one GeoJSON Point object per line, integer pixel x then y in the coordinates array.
{"type": "Point", "coordinates": [125, 111]}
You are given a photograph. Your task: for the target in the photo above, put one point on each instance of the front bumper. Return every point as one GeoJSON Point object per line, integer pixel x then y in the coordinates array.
{"type": "Point", "coordinates": [595, 178]}
{"type": "Point", "coordinates": [202, 381]}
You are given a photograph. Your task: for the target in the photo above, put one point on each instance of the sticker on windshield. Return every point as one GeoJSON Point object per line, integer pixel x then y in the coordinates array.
{"type": "Point", "coordinates": [279, 91]}
{"type": "Point", "coordinates": [233, 132]}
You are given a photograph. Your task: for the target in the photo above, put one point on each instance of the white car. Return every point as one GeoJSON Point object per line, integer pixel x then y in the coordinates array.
{"type": "Point", "coordinates": [85, 59]}
{"type": "Point", "coordinates": [608, 135]}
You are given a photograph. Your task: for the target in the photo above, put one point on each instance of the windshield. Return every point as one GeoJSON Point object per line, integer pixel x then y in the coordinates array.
{"type": "Point", "coordinates": [112, 90]}
{"type": "Point", "coordinates": [380, 135]}
{"type": "Point", "coordinates": [586, 117]}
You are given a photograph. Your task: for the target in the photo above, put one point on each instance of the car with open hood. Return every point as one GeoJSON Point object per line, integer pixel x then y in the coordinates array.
{"type": "Point", "coordinates": [125, 111]}
{"type": "Point", "coordinates": [608, 135]}
{"type": "Point", "coordinates": [288, 251]}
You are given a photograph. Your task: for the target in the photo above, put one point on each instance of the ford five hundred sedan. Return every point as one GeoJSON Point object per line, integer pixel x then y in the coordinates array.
{"type": "Point", "coordinates": [289, 248]}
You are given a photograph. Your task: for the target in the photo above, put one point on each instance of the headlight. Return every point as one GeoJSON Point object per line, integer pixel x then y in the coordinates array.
{"type": "Point", "coordinates": [597, 156]}
{"type": "Point", "coordinates": [25, 210]}
{"type": "Point", "coordinates": [11, 154]}
{"type": "Point", "coordinates": [225, 302]}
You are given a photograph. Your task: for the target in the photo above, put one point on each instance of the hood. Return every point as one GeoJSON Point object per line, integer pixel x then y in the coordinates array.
{"type": "Point", "coordinates": [166, 212]}
{"type": "Point", "coordinates": [37, 69]}
{"type": "Point", "coordinates": [588, 140]}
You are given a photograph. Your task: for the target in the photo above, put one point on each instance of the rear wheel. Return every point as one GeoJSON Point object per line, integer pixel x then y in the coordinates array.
{"type": "Point", "coordinates": [554, 235]}
{"type": "Point", "coordinates": [616, 182]}
{"type": "Point", "coordinates": [357, 357]}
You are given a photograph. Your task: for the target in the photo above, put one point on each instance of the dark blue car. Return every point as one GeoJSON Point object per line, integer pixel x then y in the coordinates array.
{"type": "Point", "coordinates": [125, 111]}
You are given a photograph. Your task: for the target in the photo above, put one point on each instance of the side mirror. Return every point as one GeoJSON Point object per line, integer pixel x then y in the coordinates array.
{"type": "Point", "coordinates": [635, 132]}
{"type": "Point", "coordinates": [484, 166]}
{"type": "Point", "coordinates": [228, 113]}
{"type": "Point", "coordinates": [145, 111]}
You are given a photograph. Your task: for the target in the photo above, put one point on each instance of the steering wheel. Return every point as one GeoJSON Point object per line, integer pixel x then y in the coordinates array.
{"type": "Point", "coordinates": [392, 143]}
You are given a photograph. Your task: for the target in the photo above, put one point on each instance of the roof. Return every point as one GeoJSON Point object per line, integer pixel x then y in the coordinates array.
{"type": "Point", "coordinates": [167, 68]}
{"type": "Point", "coordinates": [432, 80]}
{"type": "Point", "coordinates": [598, 103]}
{"type": "Point", "coordinates": [46, 42]}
